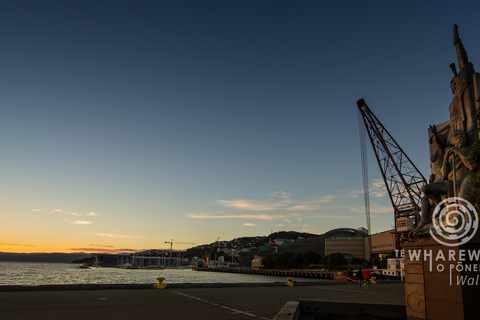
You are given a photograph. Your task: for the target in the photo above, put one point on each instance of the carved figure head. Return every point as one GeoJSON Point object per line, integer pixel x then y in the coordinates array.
{"type": "Point", "coordinates": [459, 139]}
{"type": "Point", "coordinates": [453, 85]}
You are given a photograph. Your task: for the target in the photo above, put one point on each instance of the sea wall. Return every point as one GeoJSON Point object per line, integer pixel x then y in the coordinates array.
{"type": "Point", "coordinates": [314, 274]}
{"type": "Point", "coordinates": [73, 287]}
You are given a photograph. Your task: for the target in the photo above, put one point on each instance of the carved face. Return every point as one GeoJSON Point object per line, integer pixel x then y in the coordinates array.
{"type": "Point", "coordinates": [459, 139]}
{"type": "Point", "coordinates": [453, 85]}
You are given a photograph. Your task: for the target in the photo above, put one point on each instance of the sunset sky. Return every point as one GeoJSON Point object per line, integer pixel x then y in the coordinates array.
{"type": "Point", "coordinates": [126, 124]}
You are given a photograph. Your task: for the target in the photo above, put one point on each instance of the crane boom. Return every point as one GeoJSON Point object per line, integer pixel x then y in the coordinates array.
{"type": "Point", "coordinates": [171, 245]}
{"type": "Point", "coordinates": [209, 253]}
{"type": "Point", "coordinates": [403, 180]}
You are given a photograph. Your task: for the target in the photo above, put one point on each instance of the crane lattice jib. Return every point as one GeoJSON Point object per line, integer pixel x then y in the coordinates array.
{"type": "Point", "coordinates": [403, 180]}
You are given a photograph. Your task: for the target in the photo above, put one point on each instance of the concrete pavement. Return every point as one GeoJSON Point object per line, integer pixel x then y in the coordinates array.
{"type": "Point", "coordinates": [183, 303]}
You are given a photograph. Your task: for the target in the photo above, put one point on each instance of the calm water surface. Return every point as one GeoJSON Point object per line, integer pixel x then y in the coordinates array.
{"type": "Point", "coordinates": [36, 273]}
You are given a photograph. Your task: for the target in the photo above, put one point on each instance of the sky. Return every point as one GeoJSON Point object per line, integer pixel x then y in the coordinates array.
{"type": "Point", "coordinates": [126, 124]}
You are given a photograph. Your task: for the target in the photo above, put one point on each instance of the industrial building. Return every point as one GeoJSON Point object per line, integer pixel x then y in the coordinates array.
{"type": "Point", "coordinates": [353, 243]}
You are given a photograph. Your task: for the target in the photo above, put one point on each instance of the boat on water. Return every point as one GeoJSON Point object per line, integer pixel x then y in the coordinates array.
{"type": "Point", "coordinates": [84, 266]}
{"type": "Point", "coordinates": [128, 266]}
{"type": "Point", "coordinates": [154, 268]}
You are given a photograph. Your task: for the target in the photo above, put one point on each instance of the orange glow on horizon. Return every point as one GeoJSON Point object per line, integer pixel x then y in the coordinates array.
{"type": "Point", "coordinates": [91, 248]}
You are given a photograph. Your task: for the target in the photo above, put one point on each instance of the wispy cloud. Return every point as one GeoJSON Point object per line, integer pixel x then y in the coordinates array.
{"type": "Point", "coordinates": [374, 208]}
{"type": "Point", "coordinates": [65, 212]}
{"type": "Point", "coordinates": [91, 214]}
{"type": "Point", "coordinates": [100, 250]}
{"type": "Point", "coordinates": [284, 203]}
{"type": "Point", "coordinates": [81, 222]}
{"type": "Point", "coordinates": [377, 208]}
{"type": "Point", "coordinates": [100, 245]}
{"type": "Point", "coordinates": [114, 235]}
{"type": "Point", "coordinates": [306, 207]}
{"type": "Point", "coordinates": [313, 204]}
{"type": "Point", "coordinates": [330, 206]}
{"type": "Point", "coordinates": [259, 216]}
{"type": "Point", "coordinates": [37, 210]}
{"type": "Point", "coordinates": [250, 224]}
{"type": "Point", "coordinates": [16, 245]}
{"type": "Point", "coordinates": [377, 188]}
{"type": "Point", "coordinates": [352, 194]}
{"type": "Point", "coordinates": [281, 194]}
{"type": "Point", "coordinates": [253, 205]}
{"type": "Point", "coordinates": [328, 216]}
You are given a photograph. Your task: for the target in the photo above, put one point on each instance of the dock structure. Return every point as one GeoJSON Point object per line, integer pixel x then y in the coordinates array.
{"type": "Point", "coordinates": [314, 274]}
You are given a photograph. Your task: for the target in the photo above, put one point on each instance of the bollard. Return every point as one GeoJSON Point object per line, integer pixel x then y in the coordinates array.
{"type": "Point", "coordinates": [160, 284]}
{"type": "Point", "coordinates": [290, 282]}
{"type": "Point", "coordinates": [373, 280]}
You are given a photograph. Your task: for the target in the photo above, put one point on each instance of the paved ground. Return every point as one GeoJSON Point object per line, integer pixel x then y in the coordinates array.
{"type": "Point", "coordinates": [194, 303]}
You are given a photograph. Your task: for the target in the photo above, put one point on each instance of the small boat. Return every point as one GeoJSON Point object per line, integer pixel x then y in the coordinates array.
{"type": "Point", "coordinates": [154, 268]}
{"type": "Point", "coordinates": [84, 266]}
{"type": "Point", "coordinates": [129, 266]}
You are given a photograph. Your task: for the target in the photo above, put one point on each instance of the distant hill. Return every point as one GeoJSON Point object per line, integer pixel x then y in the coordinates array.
{"type": "Point", "coordinates": [43, 257]}
{"type": "Point", "coordinates": [292, 235]}
{"type": "Point", "coordinates": [247, 242]}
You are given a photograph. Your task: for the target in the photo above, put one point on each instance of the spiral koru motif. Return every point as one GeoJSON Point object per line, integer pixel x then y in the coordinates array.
{"type": "Point", "coordinates": [455, 222]}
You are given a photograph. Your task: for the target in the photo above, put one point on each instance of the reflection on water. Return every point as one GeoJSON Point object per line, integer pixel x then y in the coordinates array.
{"type": "Point", "coordinates": [32, 273]}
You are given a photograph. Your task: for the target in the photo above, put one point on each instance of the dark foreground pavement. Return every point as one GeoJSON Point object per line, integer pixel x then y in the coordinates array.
{"type": "Point", "coordinates": [183, 303]}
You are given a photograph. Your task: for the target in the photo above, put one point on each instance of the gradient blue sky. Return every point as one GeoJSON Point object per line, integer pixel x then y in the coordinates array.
{"type": "Point", "coordinates": [129, 123]}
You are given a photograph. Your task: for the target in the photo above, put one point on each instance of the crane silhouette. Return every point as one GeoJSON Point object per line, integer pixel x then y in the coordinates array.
{"type": "Point", "coordinates": [171, 245]}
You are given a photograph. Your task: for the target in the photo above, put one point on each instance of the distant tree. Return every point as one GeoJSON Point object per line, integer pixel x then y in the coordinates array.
{"type": "Point", "coordinates": [310, 257]}
{"type": "Point", "coordinates": [360, 261]}
{"type": "Point", "coordinates": [334, 260]}
{"type": "Point", "coordinates": [290, 260]}
{"type": "Point", "coordinates": [296, 261]}
{"type": "Point", "coordinates": [269, 261]}
{"type": "Point", "coordinates": [283, 260]}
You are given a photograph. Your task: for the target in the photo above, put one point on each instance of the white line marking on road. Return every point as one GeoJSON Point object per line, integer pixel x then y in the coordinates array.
{"type": "Point", "coordinates": [219, 305]}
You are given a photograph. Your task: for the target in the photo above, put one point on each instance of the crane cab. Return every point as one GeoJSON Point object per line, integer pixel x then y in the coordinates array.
{"type": "Point", "coordinates": [404, 224]}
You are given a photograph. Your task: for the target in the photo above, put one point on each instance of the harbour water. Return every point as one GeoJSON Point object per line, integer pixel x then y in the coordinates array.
{"type": "Point", "coordinates": [36, 273]}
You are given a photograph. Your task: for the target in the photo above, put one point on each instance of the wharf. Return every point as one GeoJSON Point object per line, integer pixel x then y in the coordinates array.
{"type": "Point", "coordinates": [314, 274]}
{"type": "Point", "coordinates": [226, 303]}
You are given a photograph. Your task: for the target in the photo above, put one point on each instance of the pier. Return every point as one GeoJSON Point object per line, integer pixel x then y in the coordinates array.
{"type": "Point", "coordinates": [313, 274]}
{"type": "Point", "coordinates": [226, 303]}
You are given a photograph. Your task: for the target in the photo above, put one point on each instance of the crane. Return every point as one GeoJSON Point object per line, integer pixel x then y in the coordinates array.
{"type": "Point", "coordinates": [171, 245]}
{"type": "Point", "coordinates": [211, 250]}
{"type": "Point", "coordinates": [403, 180]}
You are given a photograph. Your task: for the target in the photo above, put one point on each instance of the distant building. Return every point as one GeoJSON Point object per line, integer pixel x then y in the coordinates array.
{"type": "Point", "coordinates": [257, 262]}
{"type": "Point", "coordinates": [283, 242]}
{"type": "Point", "coordinates": [383, 243]}
{"type": "Point", "coordinates": [350, 242]}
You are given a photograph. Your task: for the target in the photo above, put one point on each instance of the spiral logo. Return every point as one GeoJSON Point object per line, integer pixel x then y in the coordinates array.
{"type": "Point", "coordinates": [454, 219]}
